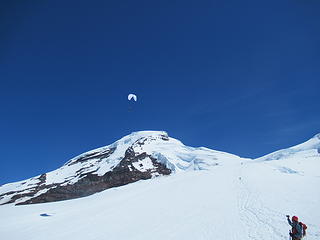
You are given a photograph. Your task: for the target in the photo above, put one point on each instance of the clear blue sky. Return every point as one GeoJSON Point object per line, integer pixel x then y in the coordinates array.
{"type": "Point", "coordinates": [237, 76]}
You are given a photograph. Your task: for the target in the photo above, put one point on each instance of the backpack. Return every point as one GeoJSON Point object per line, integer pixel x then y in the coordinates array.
{"type": "Point", "coordinates": [304, 228]}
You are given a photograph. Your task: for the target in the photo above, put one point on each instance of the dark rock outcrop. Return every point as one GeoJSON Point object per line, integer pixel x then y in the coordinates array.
{"type": "Point", "coordinates": [104, 154]}
{"type": "Point", "coordinates": [90, 183]}
{"type": "Point", "coordinates": [93, 172]}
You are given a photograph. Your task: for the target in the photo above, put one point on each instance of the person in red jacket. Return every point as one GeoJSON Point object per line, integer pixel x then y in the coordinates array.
{"type": "Point", "coordinates": [296, 231]}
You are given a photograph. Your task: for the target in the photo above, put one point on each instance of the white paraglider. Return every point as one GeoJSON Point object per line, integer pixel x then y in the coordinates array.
{"type": "Point", "coordinates": [132, 96]}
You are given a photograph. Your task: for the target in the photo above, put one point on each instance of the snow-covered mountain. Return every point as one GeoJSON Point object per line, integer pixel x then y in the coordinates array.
{"type": "Point", "coordinates": [308, 148]}
{"type": "Point", "coordinates": [300, 159]}
{"type": "Point", "coordinates": [226, 198]}
{"type": "Point", "coordinates": [140, 155]}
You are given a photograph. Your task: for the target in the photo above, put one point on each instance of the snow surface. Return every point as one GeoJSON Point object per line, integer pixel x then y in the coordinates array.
{"type": "Point", "coordinates": [171, 152]}
{"type": "Point", "coordinates": [236, 199]}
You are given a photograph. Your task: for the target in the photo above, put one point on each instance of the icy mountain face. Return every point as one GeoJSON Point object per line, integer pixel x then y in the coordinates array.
{"type": "Point", "coordinates": [138, 156]}
{"type": "Point", "coordinates": [307, 149]}
{"type": "Point", "coordinates": [301, 160]}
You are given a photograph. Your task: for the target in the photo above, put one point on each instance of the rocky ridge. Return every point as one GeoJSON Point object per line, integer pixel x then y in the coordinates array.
{"type": "Point", "coordinates": [138, 156]}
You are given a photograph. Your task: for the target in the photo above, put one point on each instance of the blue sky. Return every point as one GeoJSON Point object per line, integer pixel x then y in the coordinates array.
{"type": "Point", "coordinates": [236, 76]}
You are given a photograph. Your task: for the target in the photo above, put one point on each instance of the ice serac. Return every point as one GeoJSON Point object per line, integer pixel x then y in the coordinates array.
{"type": "Point", "coordinates": [138, 156]}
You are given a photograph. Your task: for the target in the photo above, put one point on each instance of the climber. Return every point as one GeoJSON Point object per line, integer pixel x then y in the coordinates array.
{"type": "Point", "coordinates": [298, 230]}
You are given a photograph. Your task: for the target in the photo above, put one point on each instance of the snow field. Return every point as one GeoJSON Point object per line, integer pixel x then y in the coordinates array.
{"type": "Point", "coordinates": [212, 195]}
{"type": "Point", "coordinates": [212, 204]}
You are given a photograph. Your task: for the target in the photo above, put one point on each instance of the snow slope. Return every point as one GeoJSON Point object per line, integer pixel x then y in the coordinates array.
{"type": "Point", "coordinates": [237, 199]}
{"type": "Point", "coordinates": [151, 145]}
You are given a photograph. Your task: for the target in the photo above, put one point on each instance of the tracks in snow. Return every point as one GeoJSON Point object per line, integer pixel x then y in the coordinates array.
{"type": "Point", "coordinates": [260, 222]}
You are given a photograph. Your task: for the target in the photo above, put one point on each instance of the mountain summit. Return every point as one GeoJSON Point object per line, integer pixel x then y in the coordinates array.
{"type": "Point", "coordinates": [252, 196]}
{"type": "Point", "coordinates": [138, 156]}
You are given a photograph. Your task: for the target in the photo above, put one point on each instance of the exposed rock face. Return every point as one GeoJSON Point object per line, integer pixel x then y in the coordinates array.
{"type": "Point", "coordinates": [99, 154]}
{"type": "Point", "coordinates": [138, 156]}
{"type": "Point", "coordinates": [128, 170]}
{"type": "Point", "coordinates": [90, 183]}
{"type": "Point", "coordinates": [22, 193]}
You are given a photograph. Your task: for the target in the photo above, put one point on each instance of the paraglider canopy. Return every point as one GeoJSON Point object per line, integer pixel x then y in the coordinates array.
{"type": "Point", "coordinates": [132, 96]}
{"type": "Point", "coordinates": [132, 99]}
